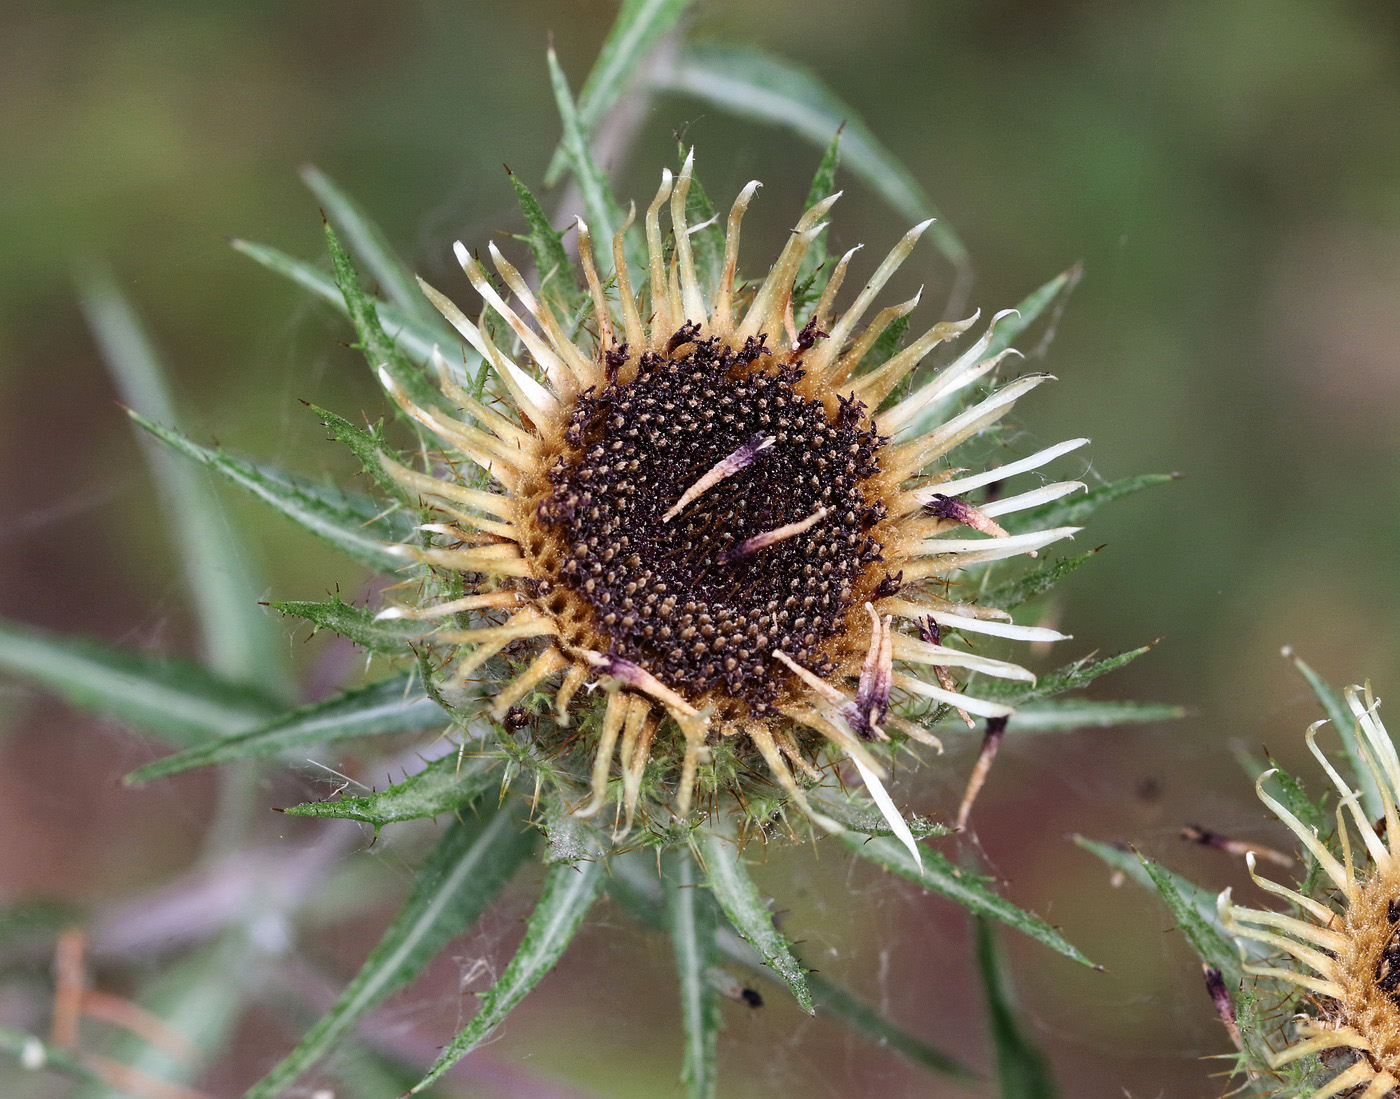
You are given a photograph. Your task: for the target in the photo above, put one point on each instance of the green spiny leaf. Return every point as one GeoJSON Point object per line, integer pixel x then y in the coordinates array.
{"type": "Point", "coordinates": [693, 937]}
{"type": "Point", "coordinates": [449, 784]}
{"type": "Point", "coordinates": [754, 84]}
{"type": "Point", "coordinates": [471, 863]}
{"type": "Point", "coordinates": [174, 699]}
{"type": "Point", "coordinates": [365, 1073]}
{"type": "Point", "coordinates": [824, 181]}
{"type": "Point", "coordinates": [1021, 1068]}
{"type": "Point", "coordinates": [558, 285]}
{"type": "Point", "coordinates": [1194, 907]}
{"type": "Point", "coordinates": [569, 892]}
{"type": "Point", "coordinates": [604, 216]}
{"type": "Point", "coordinates": [1076, 674]}
{"type": "Point", "coordinates": [368, 445]}
{"type": "Point", "coordinates": [740, 899]}
{"type": "Point", "coordinates": [970, 890]}
{"type": "Point", "coordinates": [376, 346]}
{"type": "Point", "coordinates": [860, 816]}
{"type": "Point", "coordinates": [1295, 799]}
{"type": "Point", "coordinates": [640, 24]}
{"type": "Point", "coordinates": [1061, 714]}
{"type": "Point", "coordinates": [1077, 507]}
{"type": "Point", "coordinates": [359, 624]}
{"type": "Point", "coordinates": [386, 707]}
{"type": "Point", "coordinates": [1344, 722]}
{"type": "Point", "coordinates": [417, 339]}
{"type": "Point", "coordinates": [373, 250]}
{"type": "Point", "coordinates": [30, 927]}
{"type": "Point", "coordinates": [1207, 936]}
{"type": "Point", "coordinates": [888, 342]}
{"type": "Point", "coordinates": [823, 187]}
{"type": "Point", "coordinates": [352, 527]}
{"type": "Point", "coordinates": [1023, 589]}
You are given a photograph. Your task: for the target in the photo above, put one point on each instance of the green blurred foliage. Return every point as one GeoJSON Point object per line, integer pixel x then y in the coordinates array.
{"type": "Point", "coordinates": [1227, 172]}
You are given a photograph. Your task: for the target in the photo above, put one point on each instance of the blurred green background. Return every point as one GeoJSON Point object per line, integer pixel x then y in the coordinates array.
{"type": "Point", "coordinates": [1228, 173]}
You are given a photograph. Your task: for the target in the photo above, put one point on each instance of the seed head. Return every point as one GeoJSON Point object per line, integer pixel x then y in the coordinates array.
{"type": "Point", "coordinates": [721, 518]}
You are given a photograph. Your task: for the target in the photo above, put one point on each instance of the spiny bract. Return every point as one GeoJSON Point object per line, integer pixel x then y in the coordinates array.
{"type": "Point", "coordinates": [718, 511]}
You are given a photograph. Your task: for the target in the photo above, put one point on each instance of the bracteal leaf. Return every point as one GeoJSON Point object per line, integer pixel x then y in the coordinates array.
{"type": "Point", "coordinates": [449, 784]}
{"type": "Point", "coordinates": [755, 84]}
{"type": "Point", "coordinates": [1010, 326]}
{"type": "Point", "coordinates": [741, 902]}
{"type": "Point", "coordinates": [379, 350]}
{"type": "Point", "coordinates": [415, 338]}
{"type": "Point", "coordinates": [359, 624]}
{"type": "Point", "coordinates": [1192, 906]}
{"type": "Point", "coordinates": [639, 26]}
{"type": "Point", "coordinates": [604, 216]}
{"type": "Point", "coordinates": [964, 887]}
{"type": "Point", "coordinates": [174, 699]}
{"type": "Point", "coordinates": [1053, 715]}
{"type": "Point", "coordinates": [823, 187]}
{"type": "Point", "coordinates": [693, 938]}
{"type": "Point", "coordinates": [569, 892]}
{"type": "Point", "coordinates": [387, 707]}
{"type": "Point", "coordinates": [353, 527]}
{"type": "Point", "coordinates": [468, 868]}
{"type": "Point", "coordinates": [1075, 508]}
{"type": "Point", "coordinates": [1032, 584]}
{"type": "Point", "coordinates": [237, 639]}
{"type": "Point", "coordinates": [1339, 714]}
{"type": "Point", "coordinates": [1290, 792]}
{"type": "Point", "coordinates": [859, 815]}
{"type": "Point", "coordinates": [373, 250]}
{"type": "Point", "coordinates": [1022, 1070]}
{"type": "Point", "coordinates": [1076, 674]}
{"type": "Point", "coordinates": [368, 445]}
{"type": "Point", "coordinates": [558, 284]}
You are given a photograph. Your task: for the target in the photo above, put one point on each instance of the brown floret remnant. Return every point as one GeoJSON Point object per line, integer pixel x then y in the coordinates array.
{"type": "Point", "coordinates": [672, 594]}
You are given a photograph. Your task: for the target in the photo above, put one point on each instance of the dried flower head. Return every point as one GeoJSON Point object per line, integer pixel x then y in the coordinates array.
{"type": "Point", "coordinates": [723, 514]}
{"type": "Point", "coordinates": [1348, 947]}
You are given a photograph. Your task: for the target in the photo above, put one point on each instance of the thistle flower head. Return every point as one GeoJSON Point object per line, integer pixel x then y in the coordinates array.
{"type": "Point", "coordinates": [1343, 949]}
{"type": "Point", "coordinates": [718, 507]}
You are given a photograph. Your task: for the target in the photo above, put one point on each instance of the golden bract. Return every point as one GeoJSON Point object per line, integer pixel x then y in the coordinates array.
{"type": "Point", "coordinates": [723, 518]}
